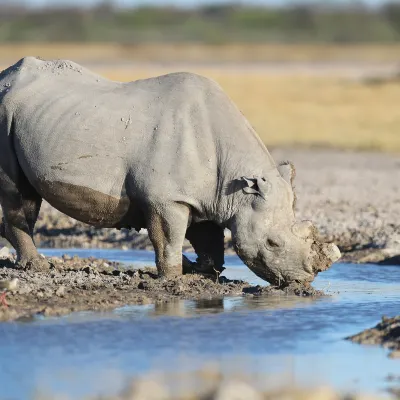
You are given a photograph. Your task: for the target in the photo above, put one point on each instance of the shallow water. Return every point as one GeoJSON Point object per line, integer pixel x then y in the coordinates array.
{"type": "Point", "coordinates": [86, 353]}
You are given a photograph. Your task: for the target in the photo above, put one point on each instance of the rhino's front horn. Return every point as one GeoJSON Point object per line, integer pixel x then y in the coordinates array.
{"type": "Point", "coordinates": [329, 253]}
{"type": "Point", "coordinates": [332, 252]}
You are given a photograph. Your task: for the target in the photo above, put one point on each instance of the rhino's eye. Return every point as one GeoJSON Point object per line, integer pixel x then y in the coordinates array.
{"type": "Point", "coordinates": [271, 243]}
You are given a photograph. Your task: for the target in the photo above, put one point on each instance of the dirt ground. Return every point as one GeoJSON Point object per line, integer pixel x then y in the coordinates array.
{"type": "Point", "coordinates": [75, 284]}
{"type": "Point", "coordinates": [386, 334]}
{"type": "Point", "coordinates": [353, 198]}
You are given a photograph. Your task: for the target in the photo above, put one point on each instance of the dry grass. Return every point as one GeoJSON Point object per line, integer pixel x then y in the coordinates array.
{"type": "Point", "coordinates": [308, 111]}
{"type": "Point", "coordinates": [195, 52]}
{"type": "Point", "coordinates": [285, 110]}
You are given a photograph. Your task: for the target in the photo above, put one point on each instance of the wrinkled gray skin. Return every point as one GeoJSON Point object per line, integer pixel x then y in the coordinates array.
{"type": "Point", "coordinates": [171, 154]}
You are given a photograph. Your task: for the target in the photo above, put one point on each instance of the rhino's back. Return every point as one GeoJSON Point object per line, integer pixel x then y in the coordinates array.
{"type": "Point", "coordinates": [75, 127]}
{"type": "Point", "coordinates": [176, 136]}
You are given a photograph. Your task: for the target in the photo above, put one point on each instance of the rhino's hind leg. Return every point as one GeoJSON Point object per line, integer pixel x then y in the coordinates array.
{"type": "Point", "coordinates": [167, 228]}
{"type": "Point", "coordinates": [207, 239]}
{"type": "Point", "coordinates": [20, 204]}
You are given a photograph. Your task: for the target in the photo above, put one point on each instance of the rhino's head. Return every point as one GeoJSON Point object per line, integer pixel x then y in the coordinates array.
{"type": "Point", "coordinates": [267, 237]}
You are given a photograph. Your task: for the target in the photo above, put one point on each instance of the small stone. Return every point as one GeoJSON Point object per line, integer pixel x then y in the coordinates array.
{"type": "Point", "coordinates": [146, 389]}
{"type": "Point", "coordinates": [25, 290]}
{"type": "Point", "coordinates": [323, 393]}
{"type": "Point", "coordinates": [4, 252]}
{"type": "Point", "coordinates": [60, 292]}
{"type": "Point", "coordinates": [90, 270]}
{"type": "Point", "coordinates": [395, 354]}
{"type": "Point", "coordinates": [143, 285]}
{"type": "Point", "coordinates": [236, 391]}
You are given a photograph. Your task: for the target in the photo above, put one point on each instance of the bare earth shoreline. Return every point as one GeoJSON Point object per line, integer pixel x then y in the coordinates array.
{"type": "Point", "coordinates": [352, 197]}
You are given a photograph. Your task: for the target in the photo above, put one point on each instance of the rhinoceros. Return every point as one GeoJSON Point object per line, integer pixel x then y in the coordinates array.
{"type": "Point", "coordinates": [172, 154]}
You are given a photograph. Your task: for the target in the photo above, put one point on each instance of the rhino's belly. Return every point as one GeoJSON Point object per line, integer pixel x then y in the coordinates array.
{"type": "Point", "coordinates": [91, 206]}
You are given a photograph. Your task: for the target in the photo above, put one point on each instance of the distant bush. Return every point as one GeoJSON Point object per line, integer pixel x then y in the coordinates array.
{"type": "Point", "coordinates": [214, 24]}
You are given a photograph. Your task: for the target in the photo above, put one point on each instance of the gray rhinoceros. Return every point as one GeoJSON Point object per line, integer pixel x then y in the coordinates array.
{"type": "Point", "coordinates": [172, 154]}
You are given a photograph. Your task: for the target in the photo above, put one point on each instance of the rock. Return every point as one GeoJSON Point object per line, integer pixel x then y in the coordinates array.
{"type": "Point", "coordinates": [143, 285]}
{"type": "Point", "coordinates": [395, 354]}
{"type": "Point", "coordinates": [60, 292]}
{"type": "Point", "coordinates": [323, 393]}
{"type": "Point", "coordinates": [237, 391]}
{"type": "Point", "coordinates": [25, 290]}
{"type": "Point", "coordinates": [146, 389]}
{"type": "Point", "coordinates": [90, 270]}
{"type": "Point", "coordinates": [386, 333]}
{"type": "Point", "coordinates": [5, 252]}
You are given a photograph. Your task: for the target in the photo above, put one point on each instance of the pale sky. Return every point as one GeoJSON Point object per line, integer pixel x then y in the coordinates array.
{"type": "Point", "coordinates": [187, 3]}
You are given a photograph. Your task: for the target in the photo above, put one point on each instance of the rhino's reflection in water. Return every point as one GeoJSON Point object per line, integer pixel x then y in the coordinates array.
{"type": "Point", "coordinates": [187, 308]}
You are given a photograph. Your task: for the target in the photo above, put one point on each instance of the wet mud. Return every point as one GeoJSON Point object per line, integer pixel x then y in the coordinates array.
{"type": "Point", "coordinates": [76, 284]}
{"type": "Point", "coordinates": [386, 334]}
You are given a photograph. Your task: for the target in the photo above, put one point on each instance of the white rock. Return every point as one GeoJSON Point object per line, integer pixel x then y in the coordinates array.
{"type": "Point", "coordinates": [60, 292]}
{"type": "Point", "coordinates": [237, 391]}
{"type": "Point", "coordinates": [146, 389]}
{"type": "Point", "coordinates": [4, 252]}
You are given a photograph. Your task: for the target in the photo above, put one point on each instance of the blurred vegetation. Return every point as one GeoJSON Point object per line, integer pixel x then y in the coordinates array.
{"type": "Point", "coordinates": [212, 24]}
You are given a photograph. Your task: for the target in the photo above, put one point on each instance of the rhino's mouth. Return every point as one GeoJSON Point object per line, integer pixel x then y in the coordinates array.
{"type": "Point", "coordinates": [278, 278]}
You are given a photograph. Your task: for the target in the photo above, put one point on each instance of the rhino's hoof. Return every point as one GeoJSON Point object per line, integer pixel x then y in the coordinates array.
{"type": "Point", "coordinates": [37, 264]}
{"type": "Point", "coordinates": [188, 267]}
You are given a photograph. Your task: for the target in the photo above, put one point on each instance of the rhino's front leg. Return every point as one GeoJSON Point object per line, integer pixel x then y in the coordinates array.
{"type": "Point", "coordinates": [167, 227]}
{"type": "Point", "coordinates": [207, 239]}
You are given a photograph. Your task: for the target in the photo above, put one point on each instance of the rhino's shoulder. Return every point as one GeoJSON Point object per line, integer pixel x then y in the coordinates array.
{"type": "Point", "coordinates": [184, 82]}
{"type": "Point", "coordinates": [190, 80]}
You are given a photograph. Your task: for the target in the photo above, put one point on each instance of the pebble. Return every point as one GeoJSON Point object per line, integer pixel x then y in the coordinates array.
{"type": "Point", "coordinates": [4, 252]}
{"type": "Point", "coordinates": [237, 391]}
{"type": "Point", "coordinates": [60, 292]}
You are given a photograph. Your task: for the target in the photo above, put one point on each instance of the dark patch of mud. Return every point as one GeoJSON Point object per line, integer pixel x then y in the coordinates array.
{"type": "Point", "coordinates": [75, 284]}
{"type": "Point", "coordinates": [386, 334]}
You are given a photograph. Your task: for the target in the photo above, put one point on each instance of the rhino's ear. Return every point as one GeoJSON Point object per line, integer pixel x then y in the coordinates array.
{"type": "Point", "coordinates": [258, 186]}
{"type": "Point", "coordinates": [287, 171]}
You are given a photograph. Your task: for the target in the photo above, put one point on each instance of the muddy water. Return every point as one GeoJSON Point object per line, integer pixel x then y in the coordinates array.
{"type": "Point", "coordinates": [85, 353]}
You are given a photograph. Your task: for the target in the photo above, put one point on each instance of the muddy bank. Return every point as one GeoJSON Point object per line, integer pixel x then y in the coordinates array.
{"type": "Point", "coordinates": [75, 284]}
{"type": "Point", "coordinates": [352, 198]}
{"type": "Point", "coordinates": [386, 334]}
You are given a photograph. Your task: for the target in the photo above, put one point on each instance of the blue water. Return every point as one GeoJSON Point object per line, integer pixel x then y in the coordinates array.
{"type": "Point", "coordinates": [89, 353]}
